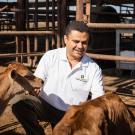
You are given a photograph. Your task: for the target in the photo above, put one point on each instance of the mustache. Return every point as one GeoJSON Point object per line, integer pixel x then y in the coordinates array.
{"type": "Point", "coordinates": [80, 50]}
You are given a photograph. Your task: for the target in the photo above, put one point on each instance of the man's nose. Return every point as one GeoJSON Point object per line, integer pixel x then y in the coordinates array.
{"type": "Point", "coordinates": [80, 45]}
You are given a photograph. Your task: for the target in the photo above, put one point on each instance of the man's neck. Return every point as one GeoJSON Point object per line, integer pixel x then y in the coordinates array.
{"type": "Point", "coordinates": [73, 62]}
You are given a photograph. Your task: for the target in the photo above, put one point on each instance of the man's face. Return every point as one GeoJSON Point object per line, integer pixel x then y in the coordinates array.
{"type": "Point", "coordinates": [76, 44]}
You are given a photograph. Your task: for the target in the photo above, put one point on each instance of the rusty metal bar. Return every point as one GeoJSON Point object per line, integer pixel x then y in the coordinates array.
{"type": "Point", "coordinates": [2, 9]}
{"type": "Point", "coordinates": [112, 14]}
{"type": "Point", "coordinates": [14, 10]}
{"type": "Point", "coordinates": [46, 43]}
{"type": "Point", "coordinates": [27, 14]}
{"type": "Point", "coordinates": [64, 15]}
{"type": "Point", "coordinates": [58, 41]}
{"type": "Point", "coordinates": [21, 54]}
{"type": "Point", "coordinates": [94, 56]}
{"type": "Point", "coordinates": [35, 50]}
{"type": "Point", "coordinates": [22, 45]}
{"type": "Point", "coordinates": [47, 26]}
{"type": "Point", "coordinates": [17, 47]}
{"type": "Point", "coordinates": [53, 23]}
{"type": "Point", "coordinates": [53, 42]}
{"type": "Point", "coordinates": [36, 15]}
{"type": "Point", "coordinates": [27, 33]}
{"type": "Point", "coordinates": [53, 15]}
{"type": "Point", "coordinates": [88, 8]}
{"type": "Point", "coordinates": [111, 57]}
{"type": "Point", "coordinates": [111, 25]}
{"type": "Point", "coordinates": [58, 23]}
{"type": "Point", "coordinates": [47, 15]}
{"type": "Point", "coordinates": [28, 49]}
{"type": "Point", "coordinates": [79, 10]}
{"type": "Point", "coordinates": [2, 28]}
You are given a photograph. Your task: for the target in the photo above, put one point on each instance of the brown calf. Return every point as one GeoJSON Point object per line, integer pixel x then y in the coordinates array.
{"type": "Point", "coordinates": [106, 115]}
{"type": "Point", "coordinates": [6, 81]}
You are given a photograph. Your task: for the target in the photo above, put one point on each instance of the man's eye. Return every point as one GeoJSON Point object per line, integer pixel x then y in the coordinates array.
{"type": "Point", "coordinates": [76, 41]}
{"type": "Point", "coordinates": [84, 43]}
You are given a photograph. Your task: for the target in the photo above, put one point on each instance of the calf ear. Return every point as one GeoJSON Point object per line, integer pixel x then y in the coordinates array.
{"type": "Point", "coordinates": [22, 81]}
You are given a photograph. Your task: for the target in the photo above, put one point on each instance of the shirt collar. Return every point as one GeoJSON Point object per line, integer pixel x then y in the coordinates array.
{"type": "Point", "coordinates": [84, 60]}
{"type": "Point", "coordinates": [63, 54]}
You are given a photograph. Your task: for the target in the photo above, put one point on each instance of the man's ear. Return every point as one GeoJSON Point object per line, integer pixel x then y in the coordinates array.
{"type": "Point", "coordinates": [65, 39]}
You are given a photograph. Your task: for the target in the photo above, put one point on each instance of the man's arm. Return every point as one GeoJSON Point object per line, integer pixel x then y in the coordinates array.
{"type": "Point", "coordinates": [38, 85]}
{"type": "Point", "coordinates": [97, 84]}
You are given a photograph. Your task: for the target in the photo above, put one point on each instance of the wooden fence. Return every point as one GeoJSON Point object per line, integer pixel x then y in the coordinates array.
{"type": "Point", "coordinates": [30, 44]}
{"type": "Point", "coordinates": [51, 40]}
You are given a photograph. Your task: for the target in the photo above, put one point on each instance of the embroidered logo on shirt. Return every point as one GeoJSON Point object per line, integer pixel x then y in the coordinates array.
{"type": "Point", "coordinates": [82, 78]}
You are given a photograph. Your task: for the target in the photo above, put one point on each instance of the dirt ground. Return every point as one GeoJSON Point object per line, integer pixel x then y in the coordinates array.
{"type": "Point", "coordinates": [10, 126]}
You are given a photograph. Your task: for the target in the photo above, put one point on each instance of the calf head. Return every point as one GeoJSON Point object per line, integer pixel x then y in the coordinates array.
{"type": "Point", "coordinates": [106, 115]}
{"type": "Point", "coordinates": [6, 81]}
{"type": "Point", "coordinates": [20, 68]}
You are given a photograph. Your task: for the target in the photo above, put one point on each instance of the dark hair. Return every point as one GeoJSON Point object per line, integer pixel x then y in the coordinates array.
{"type": "Point", "coordinates": [76, 25]}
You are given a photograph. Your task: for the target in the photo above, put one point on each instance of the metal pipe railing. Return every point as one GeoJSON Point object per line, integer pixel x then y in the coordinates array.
{"type": "Point", "coordinates": [92, 55]}
{"type": "Point", "coordinates": [111, 25]}
{"type": "Point", "coordinates": [111, 57]}
{"type": "Point", "coordinates": [29, 39]}
{"type": "Point", "coordinates": [18, 33]}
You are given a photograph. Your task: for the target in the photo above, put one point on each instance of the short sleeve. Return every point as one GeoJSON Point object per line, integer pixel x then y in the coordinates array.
{"type": "Point", "coordinates": [42, 68]}
{"type": "Point", "coordinates": [97, 84]}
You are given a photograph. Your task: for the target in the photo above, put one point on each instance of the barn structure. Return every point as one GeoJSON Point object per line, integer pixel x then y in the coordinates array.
{"type": "Point", "coordinates": [36, 26]}
{"type": "Point", "coordinates": [29, 28]}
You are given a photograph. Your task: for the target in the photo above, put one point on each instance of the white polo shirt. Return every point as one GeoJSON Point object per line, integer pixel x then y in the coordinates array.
{"type": "Point", "coordinates": [65, 86]}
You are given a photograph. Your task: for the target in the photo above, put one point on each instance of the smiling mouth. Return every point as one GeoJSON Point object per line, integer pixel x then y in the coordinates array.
{"type": "Point", "coordinates": [79, 51]}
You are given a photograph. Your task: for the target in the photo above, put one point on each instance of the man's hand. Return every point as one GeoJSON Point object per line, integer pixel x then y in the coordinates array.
{"type": "Point", "coordinates": [35, 92]}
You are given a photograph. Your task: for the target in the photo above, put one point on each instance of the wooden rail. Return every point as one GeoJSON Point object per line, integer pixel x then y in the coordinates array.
{"type": "Point", "coordinates": [54, 40]}
{"type": "Point", "coordinates": [30, 41]}
{"type": "Point", "coordinates": [92, 55]}
{"type": "Point", "coordinates": [18, 33]}
{"type": "Point", "coordinates": [111, 57]}
{"type": "Point", "coordinates": [3, 8]}
{"type": "Point", "coordinates": [111, 25]}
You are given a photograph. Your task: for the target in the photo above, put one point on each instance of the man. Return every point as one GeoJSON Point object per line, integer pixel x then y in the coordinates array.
{"type": "Point", "coordinates": [69, 76]}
